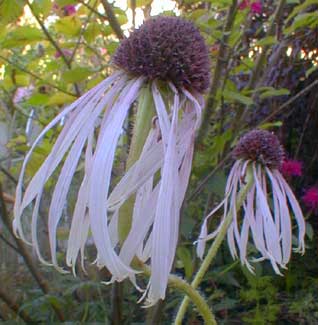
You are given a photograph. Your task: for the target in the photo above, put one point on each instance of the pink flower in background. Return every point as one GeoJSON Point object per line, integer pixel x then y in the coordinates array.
{"type": "Point", "coordinates": [66, 52]}
{"type": "Point", "coordinates": [69, 10]}
{"type": "Point", "coordinates": [255, 7]}
{"type": "Point", "coordinates": [310, 198]}
{"type": "Point", "coordinates": [244, 4]}
{"type": "Point", "coordinates": [292, 168]}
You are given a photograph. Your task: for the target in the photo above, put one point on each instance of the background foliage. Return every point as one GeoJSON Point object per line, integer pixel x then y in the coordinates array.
{"type": "Point", "coordinates": [264, 74]}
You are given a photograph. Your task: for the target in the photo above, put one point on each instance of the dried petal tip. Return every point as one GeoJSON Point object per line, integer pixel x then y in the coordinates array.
{"type": "Point", "coordinates": [167, 48]}
{"type": "Point", "coordinates": [260, 146]}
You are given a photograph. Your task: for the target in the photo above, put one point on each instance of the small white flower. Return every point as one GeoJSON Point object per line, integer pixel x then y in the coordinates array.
{"type": "Point", "coordinates": [267, 207]}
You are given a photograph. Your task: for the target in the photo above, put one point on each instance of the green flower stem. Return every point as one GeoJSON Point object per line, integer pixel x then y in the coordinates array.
{"type": "Point", "coordinates": [178, 283]}
{"type": "Point", "coordinates": [215, 247]}
{"type": "Point", "coordinates": [143, 124]}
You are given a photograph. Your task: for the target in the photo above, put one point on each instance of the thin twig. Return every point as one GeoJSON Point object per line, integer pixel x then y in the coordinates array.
{"type": "Point", "coordinates": [43, 284]}
{"type": "Point", "coordinates": [113, 21]}
{"type": "Point", "coordinates": [9, 175]}
{"type": "Point", "coordinates": [220, 63]}
{"type": "Point", "coordinates": [54, 43]}
{"type": "Point", "coordinates": [14, 306]}
{"type": "Point", "coordinates": [36, 76]}
{"type": "Point", "coordinates": [290, 101]}
{"type": "Point", "coordinates": [92, 9]}
{"type": "Point", "coordinates": [6, 241]}
{"type": "Point", "coordinates": [84, 26]}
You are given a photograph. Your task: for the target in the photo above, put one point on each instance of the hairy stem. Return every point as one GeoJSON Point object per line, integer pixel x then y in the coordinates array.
{"type": "Point", "coordinates": [192, 294]}
{"type": "Point", "coordinates": [214, 247]}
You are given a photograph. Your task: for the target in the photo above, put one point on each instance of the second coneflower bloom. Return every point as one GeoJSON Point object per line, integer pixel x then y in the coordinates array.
{"type": "Point", "coordinates": [267, 208]}
{"type": "Point", "coordinates": [168, 56]}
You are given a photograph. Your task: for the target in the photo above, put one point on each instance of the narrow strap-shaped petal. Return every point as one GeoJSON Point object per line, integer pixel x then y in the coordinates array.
{"type": "Point", "coordinates": [167, 213]}
{"type": "Point", "coordinates": [78, 109]}
{"type": "Point", "coordinates": [69, 167]}
{"type": "Point", "coordinates": [297, 212]}
{"type": "Point", "coordinates": [285, 222]}
{"type": "Point", "coordinates": [100, 180]}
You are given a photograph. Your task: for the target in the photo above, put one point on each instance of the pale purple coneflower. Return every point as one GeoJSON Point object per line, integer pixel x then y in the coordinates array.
{"type": "Point", "coordinates": [169, 56]}
{"type": "Point", "coordinates": [267, 207]}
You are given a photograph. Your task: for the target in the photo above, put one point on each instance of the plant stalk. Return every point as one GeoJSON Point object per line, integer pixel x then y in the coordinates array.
{"type": "Point", "coordinates": [215, 247]}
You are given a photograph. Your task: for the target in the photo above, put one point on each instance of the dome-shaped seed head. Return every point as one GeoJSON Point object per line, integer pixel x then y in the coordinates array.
{"type": "Point", "coordinates": [169, 49]}
{"type": "Point", "coordinates": [260, 146]}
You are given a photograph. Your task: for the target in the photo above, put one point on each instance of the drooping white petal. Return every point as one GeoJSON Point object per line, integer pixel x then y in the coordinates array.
{"type": "Point", "coordinates": [100, 180]}
{"type": "Point", "coordinates": [282, 211]}
{"type": "Point", "coordinates": [165, 224]}
{"type": "Point", "coordinates": [78, 111]}
{"type": "Point", "coordinates": [296, 209]}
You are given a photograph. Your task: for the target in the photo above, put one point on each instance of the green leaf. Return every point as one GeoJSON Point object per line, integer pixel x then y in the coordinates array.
{"type": "Point", "coordinates": [38, 99]}
{"type": "Point", "coordinates": [63, 3]}
{"type": "Point", "coordinates": [10, 10]}
{"type": "Point", "coordinates": [76, 74]}
{"type": "Point", "coordinates": [185, 257]}
{"type": "Point", "coordinates": [232, 96]}
{"type": "Point", "coordinates": [300, 8]}
{"type": "Point", "coordinates": [309, 231]}
{"type": "Point", "coordinates": [274, 92]}
{"type": "Point", "coordinates": [22, 36]}
{"type": "Point", "coordinates": [304, 20]}
{"type": "Point", "coordinates": [142, 3]}
{"type": "Point", "coordinates": [269, 40]}
{"type": "Point", "coordinates": [68, 26]}
{"type": "Point", "coordinates": [91, 32]}
{"type": "Point", "coordinates": [311, 70]}
{"type": "Point", "coordinates": [42, 8]}
{"type": "Point", "coordinates": [60, 98]}
{"type": "Point", "coordinates": [271, 125]}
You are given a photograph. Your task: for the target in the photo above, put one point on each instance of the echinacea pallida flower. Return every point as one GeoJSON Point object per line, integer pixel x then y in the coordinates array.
{"type": "Point", "coordinates": [168, 56]}
{"type": "Point", "coordinates": [267, 207]}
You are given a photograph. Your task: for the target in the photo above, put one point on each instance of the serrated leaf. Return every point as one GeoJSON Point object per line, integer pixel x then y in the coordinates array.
{"type": "Point", "coordinates": [233, 96]}
{"type": "Point", "coordinates": [76, 74]}
{"type": "Point", "coordinates": [42, 8]}
{"type": "Point", "coordinates": [69, 26]}
{"type": "Point", "coordinates": [60, 98]}
{"type": "Point", "coordinates": [274, 93]}
{"type": "Point", "coordinates": [92, 31]}
{"type": "Point", "coordinates": [10, 10]}
{"type": "Point", "coordinates": [22, 36]}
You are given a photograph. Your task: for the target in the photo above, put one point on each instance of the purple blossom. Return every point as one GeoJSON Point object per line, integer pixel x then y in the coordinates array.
{"type": "Point", "coordinates": [310, 199]}
{"type": "Point", "coordinates": [69, 10]}
{"type": "Point", "coordinates": [291, 168]}
{"type": "Point", "coordinates": [66, 52]}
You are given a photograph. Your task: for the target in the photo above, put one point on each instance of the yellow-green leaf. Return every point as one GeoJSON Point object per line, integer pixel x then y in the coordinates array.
{"type": "Point", "coordinates": [76, 74]}
{"type": "Point", "coordinates": [60, 98]}
{"type": "Point", "coordinates": [69, 26]}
